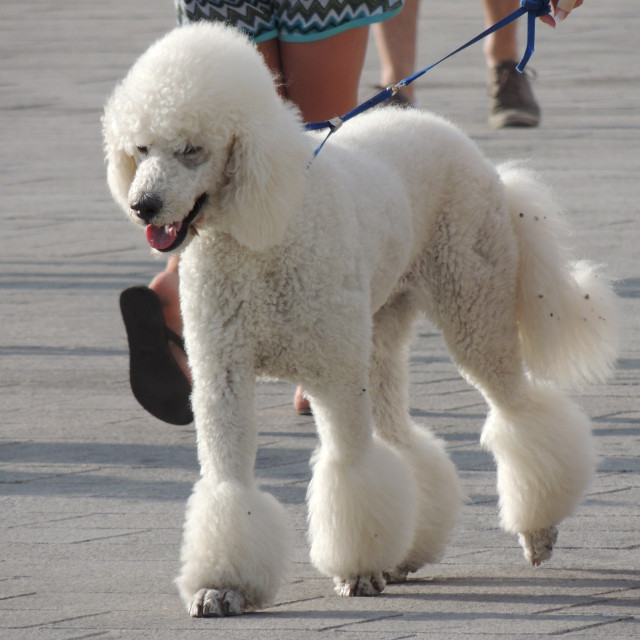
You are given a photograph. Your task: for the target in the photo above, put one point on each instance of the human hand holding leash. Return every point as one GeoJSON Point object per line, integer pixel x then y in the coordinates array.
{"type": "Point", "coordinates": [561, 9]}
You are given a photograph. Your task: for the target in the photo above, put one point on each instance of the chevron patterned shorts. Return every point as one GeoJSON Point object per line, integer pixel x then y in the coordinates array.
{"type": "Point", "coordinates": [289, 20]}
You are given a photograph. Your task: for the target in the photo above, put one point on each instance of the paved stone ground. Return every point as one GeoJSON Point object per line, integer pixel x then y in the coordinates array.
{"type": "Point", "coordinates": [92, 490]}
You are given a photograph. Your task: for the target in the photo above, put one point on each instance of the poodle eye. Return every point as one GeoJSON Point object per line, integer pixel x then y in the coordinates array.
{"type": "Point", "coordinates": [142, 150]}
{"type": "Point", "coordinates": [190, 150]}
{"type": "Point", "coordinates": [191, 156]}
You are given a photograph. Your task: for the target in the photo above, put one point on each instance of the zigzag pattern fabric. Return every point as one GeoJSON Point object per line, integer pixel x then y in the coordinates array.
{"type": "Point", "coordinates": [289, 20]}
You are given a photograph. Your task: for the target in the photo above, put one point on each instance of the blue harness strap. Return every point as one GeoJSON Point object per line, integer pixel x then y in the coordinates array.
{"type": "Point", "coordinates": [534, 9]}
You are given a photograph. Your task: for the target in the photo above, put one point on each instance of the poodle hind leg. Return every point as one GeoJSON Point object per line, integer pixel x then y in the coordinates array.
{"type": "Point", "coordinates": [438, 490]}
{"type": "Point", "coordinates": [540, 440]}
{"type": "Point", "coordinates": [538, 546]}
{"type": "Point", "coordinates": [545, 460]}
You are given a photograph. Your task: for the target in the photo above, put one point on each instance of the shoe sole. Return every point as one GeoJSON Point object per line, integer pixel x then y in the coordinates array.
{"type": "Point", "coordinates": [506, 119]}
{"type": "Point", "coordinates": [157, 382]}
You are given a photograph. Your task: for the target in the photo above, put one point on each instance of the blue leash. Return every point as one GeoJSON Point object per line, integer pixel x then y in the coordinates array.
{"type": "Point", "coordinates": [534, 9]}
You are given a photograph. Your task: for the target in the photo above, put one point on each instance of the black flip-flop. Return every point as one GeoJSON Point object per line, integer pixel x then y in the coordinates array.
{"type": "Point", "coordinates": [157, 381]}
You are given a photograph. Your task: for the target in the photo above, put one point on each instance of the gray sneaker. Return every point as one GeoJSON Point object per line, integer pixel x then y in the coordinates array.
{"type": "Point", "coordinates": [511, 99]}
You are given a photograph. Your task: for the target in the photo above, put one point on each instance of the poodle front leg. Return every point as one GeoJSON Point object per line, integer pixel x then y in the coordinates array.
{"type": "Point", "coordinates": [362, 498]}
{"type": "Point", "coordinates": [234, 549]}
{"type": "Point", "coordinates": [235, 536]}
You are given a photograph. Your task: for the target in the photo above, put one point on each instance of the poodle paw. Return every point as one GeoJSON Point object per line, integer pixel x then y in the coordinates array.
{"type": "Point", "coordinates": [538, 546]}
{"type": "Point", "coordinates": [217, 603]}
{"type": "Point", "coordinates": [396, 575]}
{"type": "Point", "coordinates": [370, 585]}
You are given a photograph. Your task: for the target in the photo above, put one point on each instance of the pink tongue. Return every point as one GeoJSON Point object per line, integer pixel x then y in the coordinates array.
{"type": "Point", "coordinates": [162, 237]}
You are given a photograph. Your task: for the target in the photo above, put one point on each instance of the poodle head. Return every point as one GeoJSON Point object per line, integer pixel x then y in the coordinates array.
{"type": "Point", "coordinates": [197, 139]}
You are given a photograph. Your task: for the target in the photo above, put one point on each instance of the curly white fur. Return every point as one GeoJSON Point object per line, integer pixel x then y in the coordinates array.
{"type": "Point", "coordinates": [545, 458]}
{"type": "Point", "coordinates": [315, 276]}
{"type": "Point", "coordinates": [239, 528]}
{"type": "Point", "coordinates": [566, 311]}
{"type": "Point", "coordinates": [354, 508]}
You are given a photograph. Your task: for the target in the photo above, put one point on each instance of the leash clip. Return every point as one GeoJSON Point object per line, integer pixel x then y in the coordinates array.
{"type": "Point", "coordinates": [335, 123]}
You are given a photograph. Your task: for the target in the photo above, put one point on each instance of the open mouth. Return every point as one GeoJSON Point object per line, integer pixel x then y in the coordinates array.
{"type": "Point", "coordinates": [170, 236]}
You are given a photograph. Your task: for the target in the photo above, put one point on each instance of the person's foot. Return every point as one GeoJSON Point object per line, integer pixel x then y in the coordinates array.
{"type": "Point", "coordinates": [301, 403]}
{"type": "Point", "coordinates": [512, 103]}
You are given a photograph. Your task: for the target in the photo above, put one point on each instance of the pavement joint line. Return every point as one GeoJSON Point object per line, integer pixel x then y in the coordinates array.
{"type": "Point", "coordinates": [60, 621]}
{"type": "Point", "coordinates": [18, 595]}
{"type": "Point", "coordinates": [589, 601]}
{"type": "Point", "coordinates": [595, 625]}
{"type": "Point", "coordinates": [37, 523]}
{"type": "Point", "coordinates": [363, 621]}
{"type": "Point", "coordinates": [48, 476]}
{"type": "Point", "coordinates": [113, 536]}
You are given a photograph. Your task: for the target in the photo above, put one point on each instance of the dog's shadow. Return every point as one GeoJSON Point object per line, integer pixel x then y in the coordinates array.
{"type": "Point", "coordinates": [477, 598]}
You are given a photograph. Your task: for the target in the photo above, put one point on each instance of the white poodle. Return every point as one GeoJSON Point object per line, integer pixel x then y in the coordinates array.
{"type": "Point", "coordinates": [314, 274]}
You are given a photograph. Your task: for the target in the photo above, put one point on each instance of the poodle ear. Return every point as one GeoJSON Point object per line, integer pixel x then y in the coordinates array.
{"type": "Point", "coordinates": [121, 169]}
{"type": "Point", "coordinates": [264, 181]}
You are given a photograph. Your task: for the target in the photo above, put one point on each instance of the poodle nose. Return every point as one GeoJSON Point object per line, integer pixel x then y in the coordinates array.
{"type": "Point", "coordinates": [147, 206]}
